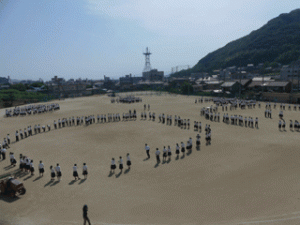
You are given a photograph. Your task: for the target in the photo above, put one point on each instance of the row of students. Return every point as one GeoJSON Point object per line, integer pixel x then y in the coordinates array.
{"type": "Point", "coordinates": [182, 123]}
{"type": "Point", "coordinates": [197, 126]}
{"type": "Point", "coordinates": [281, 124]}
{"type": "Point", "coordinates": [296, 125]}
{"type": "Point", "coordinates": [168, 153]}
{"type": "Point", "coordinates": [113, 164]}
{"type": "Point", "coordinates": [238, 120]}
{"type": "Point", "coordinates": [151, 116]}
{"type": "Point", "coordinates": [268, 113]}
{"type": "Point", "coordinates": [26, 164]}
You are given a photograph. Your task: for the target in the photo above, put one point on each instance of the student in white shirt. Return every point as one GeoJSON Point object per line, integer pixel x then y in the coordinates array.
{"type": "Point", "coordinates": [121, 164]}
{"type": "Point", "coordinates": [13, 161]}
{"type": "Point", "coordinates": [41, 168]}
{"type": "Point", "coordinates": [169, 152]}
{"type": "Point", "coordinates": [177, 150]}
{"type": "Point", "coordinates": [157, 153]}
{"type": "Point", "coordinates": [198, 140]}
{"type": "Point", "coordinates": [191, 143]}
{"type": "Point", "coordinates": [113, 165]}
{"type": "Point", "coordinates": [84, 170]}
{"type": "Point", "coordinates": [8, 139]}
{"type": "Point", "coordinates": [17, 136]}
{"type": "Point", "coordinates": [283, 124]}
{"type": "Point", "coordinates": [58, 172]}
{"type": "Point", "coordinates": [52, 172]}
{"type": "Point", "coordinates": [31, 168]}
{"type": "Point", "coordinates": [75, 173]}
{"type": "Point", "coordinates": [182, 148]}
{"type": "Point", "coordinates": [147, 148]}
{"type": "Point", "coordinates": [128, 161]}
{"type": "Point", "coordinates": [164, 154]}
{"type": "Point", "coordinates": [3, 153]}
{"type": "Point", "coordinates": [279, 125]}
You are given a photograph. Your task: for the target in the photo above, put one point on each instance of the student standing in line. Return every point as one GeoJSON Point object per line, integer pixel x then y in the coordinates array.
{"type": "Point", "coordinates": [182, 148]}
{"type": "Point", "coordinates": [113, 165]}
{"type": "Point", "coordinates": [169, 152]}
{"type": "Point", "coordinates": [198, 140]}
{"type": "Point", "coordinates": [121, 164]}
{"type": "Point", "coordinates": [75, 173]}
{"type": "Point", "coordinates": [164, 154]}
{"type": "Point", "coordinates": [31, 168]}
{"type": "Point", "coordinates": [41, 168]}
{"type": "Point", "coordinates": [58, 172]}
{"type": "Point", "coordinates": [157, 153]}
{"type": "Point", "coordinates": [177, 150]}
{"type": "Point", "coordinates": [84, 171]}
{"type": "Point", "coordinates": [52, 171]}
{"type": "Point", "coordinates": [128, 161]}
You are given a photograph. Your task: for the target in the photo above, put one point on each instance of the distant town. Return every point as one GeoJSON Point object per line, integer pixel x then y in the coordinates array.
{"type": "Point", "coordinates": [251, 82]}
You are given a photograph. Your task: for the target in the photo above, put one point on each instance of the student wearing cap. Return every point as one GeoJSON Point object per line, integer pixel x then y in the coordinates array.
{"type": "Point", "coordinates": [84, 170]}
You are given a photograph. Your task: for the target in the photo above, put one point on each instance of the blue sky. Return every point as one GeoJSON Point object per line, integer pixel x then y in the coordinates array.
{"type": "Point", "coordinates": [92, 38]}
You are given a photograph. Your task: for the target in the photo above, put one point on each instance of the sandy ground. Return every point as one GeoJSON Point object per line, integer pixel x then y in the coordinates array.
{"type": "Point", "coordinates": [246, 176]}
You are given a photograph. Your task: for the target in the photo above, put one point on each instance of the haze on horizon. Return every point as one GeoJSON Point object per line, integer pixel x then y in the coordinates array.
{"type": "Point", "coordinates": [92, 38]}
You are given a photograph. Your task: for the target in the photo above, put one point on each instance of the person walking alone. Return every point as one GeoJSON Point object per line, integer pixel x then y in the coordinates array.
{"type": "Point", "coordinates": [85, 217]}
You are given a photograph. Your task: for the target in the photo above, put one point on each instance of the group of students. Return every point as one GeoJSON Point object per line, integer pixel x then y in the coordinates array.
{"type": "Point", "coordinates": [296, 125]}
{"type": "Point", "coordinates": [113, 164]}
{"type": "Point", "coordinates": [268, 113]}
{"type": "Point", "coordinates": [26, 164]}
{"type": "Point", "coordinates": [56, 172]}
{"type": "Point", "coordinates": [210, 115]}
{"type": "Point", "coordinates": [167, 153]}
{"type": "Point", "coordinates": [151, 116]}
{"type": "Point", "coordinates": [239, 120]}
{"type": "Point", "coordinates": [28, 131]}
{"type": "Point", "coordinates": [31, 109]}
{"type": "Point", "coordinates": [182, 123]}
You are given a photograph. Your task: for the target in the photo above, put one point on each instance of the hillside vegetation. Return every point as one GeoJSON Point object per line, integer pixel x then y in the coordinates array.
{"type": "Point", "coordinates": [276, 42]}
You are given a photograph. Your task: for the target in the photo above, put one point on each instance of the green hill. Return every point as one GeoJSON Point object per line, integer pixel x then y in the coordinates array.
{"type": "Point", "coordinates": [276, 42]}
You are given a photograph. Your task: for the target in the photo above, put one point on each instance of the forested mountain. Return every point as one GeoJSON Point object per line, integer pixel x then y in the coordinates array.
{"type": "Point", "coordinates": [276, 42]}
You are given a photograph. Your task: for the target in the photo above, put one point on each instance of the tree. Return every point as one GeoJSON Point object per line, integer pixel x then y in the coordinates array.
{"type": "Point", "coordinates": [8, 100]}
{"type": "Point", "coordinates": [187, 88]}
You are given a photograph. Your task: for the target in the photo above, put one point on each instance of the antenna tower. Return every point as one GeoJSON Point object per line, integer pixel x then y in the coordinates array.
{"type": "Point", "coordinates": [147, 60]}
